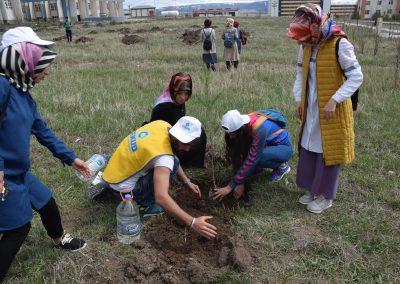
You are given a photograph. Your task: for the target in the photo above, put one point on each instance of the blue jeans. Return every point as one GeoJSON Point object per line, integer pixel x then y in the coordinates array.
{"type": "Point", "coordinates": [276, 153]}
{"type": "Point", "coordinates": [144, 189]}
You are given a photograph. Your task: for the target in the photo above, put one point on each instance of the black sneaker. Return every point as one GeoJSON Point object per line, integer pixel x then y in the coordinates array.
{"type": "Point", "coordinates": [70, 243]}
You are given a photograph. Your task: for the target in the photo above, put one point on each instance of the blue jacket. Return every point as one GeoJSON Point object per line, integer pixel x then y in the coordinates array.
{"type": "Point", "coordinates": [21, 120]}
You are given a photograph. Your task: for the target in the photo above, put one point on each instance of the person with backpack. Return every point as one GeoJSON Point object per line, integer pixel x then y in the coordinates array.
{"type": "Point", "coordinates": [255, 141]}
{"type": "Point", "coordinates": [323, 97]}
{"type": "Point", "coordinates": [209, 46]}
{"type": "Point", "coordinates": [230, 37]}
{"type": "Point", "coordinates": [24, 62]}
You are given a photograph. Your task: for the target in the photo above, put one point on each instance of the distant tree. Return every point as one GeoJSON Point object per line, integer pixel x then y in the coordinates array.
{"type": "Point", "coordinates": [355, 16]}
{"type": "Point", "coordinates": [376, 15]}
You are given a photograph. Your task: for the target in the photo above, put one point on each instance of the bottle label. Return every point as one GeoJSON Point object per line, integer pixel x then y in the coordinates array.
{"type": "Point", "coordinates": [128, 229]}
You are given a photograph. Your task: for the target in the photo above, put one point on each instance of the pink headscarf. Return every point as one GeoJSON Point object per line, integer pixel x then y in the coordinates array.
{"type": "Point", "coordinates": [30, 53]}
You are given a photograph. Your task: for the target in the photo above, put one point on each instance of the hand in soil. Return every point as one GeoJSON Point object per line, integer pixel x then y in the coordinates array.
{"type": "Point", "coordinates": [220, 193]}
{"type": "Point", "coordinates": [238, 192]}
{"type": "Point", "coordinates": [202, 227]}
{"type": "Point", "coordinates": [195, 188]}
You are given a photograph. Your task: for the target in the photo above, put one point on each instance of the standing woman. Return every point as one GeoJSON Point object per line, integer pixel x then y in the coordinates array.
{"type": "Point", "coordinates": [170, 107]}
{"type": "Point", "coordinates": [209, 47]}
{"type": "Point", "coordinates": [24, 62]}
{"type": "Point", "coordinates": [230, 37]}
{"type": "Point", "coordinates": [322, 92]}
{"type": "Point", "coordinates": [239, 39]}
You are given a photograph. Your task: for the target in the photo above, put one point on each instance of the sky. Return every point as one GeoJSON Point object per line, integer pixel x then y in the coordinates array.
{"type": "Point", "coordinates": [163, 3]}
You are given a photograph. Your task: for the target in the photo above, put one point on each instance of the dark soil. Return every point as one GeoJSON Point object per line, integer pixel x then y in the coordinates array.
{"type": "Point", "coordinates": [132, 39]}
{"type": "Point", "coordinates": [171, 253]}
{"type": "Point", "coordinates": [60, 38]}
{"type": "Point", "coordinates": [191, 37]}
{"type": "Point", "coordinates": [84, 39]}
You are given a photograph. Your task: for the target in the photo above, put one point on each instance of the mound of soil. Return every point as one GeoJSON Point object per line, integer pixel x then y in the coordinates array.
{"type": "Point", "coordinates": [170, 252]}
{"type": "Point", "coordinates": [60, 38]}
{"type": "Point", "coordinates": [132, 39]}
{"type": "Point", "coordinates": [84, 39]}
{"type": "Point", "coordinates": [191, 36]}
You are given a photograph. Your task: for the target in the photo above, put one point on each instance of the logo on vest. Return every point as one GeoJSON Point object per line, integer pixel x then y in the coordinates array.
{"type": "Point", "coordinates": [132, 138]}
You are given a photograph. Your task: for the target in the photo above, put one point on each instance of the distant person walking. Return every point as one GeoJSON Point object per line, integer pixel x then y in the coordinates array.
{"type": "Point", "coordinates": [209, 46]}
{"type": "Point", "coordinates": [68, 29]}
{"type": "Point", "coordinates": [240, 37]}
{"type": "Point", "coordinates": [326, 140]}
{"type": "Point", "coordinates": [230, 37]}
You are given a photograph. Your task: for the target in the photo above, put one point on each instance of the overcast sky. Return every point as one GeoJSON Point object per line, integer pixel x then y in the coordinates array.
{"type": "Point", "coordinates": [163, 3]}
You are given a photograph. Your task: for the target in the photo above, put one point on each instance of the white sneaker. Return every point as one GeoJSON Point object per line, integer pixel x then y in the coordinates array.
{"type": "Point", "coordinates": [319, 205]}
{"type": "Point", "coordinates": [306, 198]}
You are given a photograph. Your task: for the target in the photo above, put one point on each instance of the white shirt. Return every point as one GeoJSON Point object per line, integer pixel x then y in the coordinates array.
{"type": "Point", "coordinates": [311, 139]}
{"type": "Point", "coordinates": [130, 183]}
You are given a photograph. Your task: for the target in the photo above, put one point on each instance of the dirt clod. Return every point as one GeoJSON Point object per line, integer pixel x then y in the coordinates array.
{"type": "Point", "coordinates": [84, 39]}
{"type": "Point", "coordinates": [132, 39]}
{"type": "Point", "coordinates": [191, 36]}
{"type": "Point", "coordinates": [60, 38]}
{"type": "Point", "coordinates": [241, 258]}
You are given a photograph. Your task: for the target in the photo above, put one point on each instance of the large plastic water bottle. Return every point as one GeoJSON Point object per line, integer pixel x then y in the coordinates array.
{"type": "Point", "coordinates": [128, 220]}
{"type": "Point", "coordinates": [95, 164]}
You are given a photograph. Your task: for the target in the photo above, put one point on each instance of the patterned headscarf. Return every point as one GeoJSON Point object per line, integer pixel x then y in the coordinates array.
{"type": "Point", "coordinates": [229, 22]}
{"type": "Point", "coordinates": [21, 62]}
{"type": "Point", "coordinates": [311, 24]}
{"type": "Point", "coordinates": [236, 23]}
{"type": "Point", "coordinates": [179, 82]}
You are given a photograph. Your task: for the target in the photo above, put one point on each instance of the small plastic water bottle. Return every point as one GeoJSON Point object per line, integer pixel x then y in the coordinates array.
{"type": "Point", "coordinates": [128, 220]}
{"type": "Point", "coordinates": [95, 164]}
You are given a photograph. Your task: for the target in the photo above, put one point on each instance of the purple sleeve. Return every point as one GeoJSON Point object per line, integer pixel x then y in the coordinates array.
{"type": "Point", "coordinates": [252, 159]}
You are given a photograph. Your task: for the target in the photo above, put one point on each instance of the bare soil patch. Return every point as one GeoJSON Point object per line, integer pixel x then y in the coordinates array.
{"type": "Point", "coordinates": [191, 37]}
{"type": "Point", "coordinates": [169, 252]}
{"type": "Point", "coordinates": [132, 39]}
{"type": "Point", "coordinates": [84, 39]}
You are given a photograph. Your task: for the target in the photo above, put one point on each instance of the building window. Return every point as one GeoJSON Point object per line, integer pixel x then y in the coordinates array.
{"type": "Point", "coordinates": [37, 8]}
{"type": "Point", "coordinates": [368, 3]}
{"type": "Point", "coordinates": [7, 3]}
{"type": "Point", "coordinates": [390, 2]}
{"type": "Point", "coordinates": [366, 12]}
{"type": "Point", "coordinates": [53, 6]}
{"type": "Point", "coordinates": [380, 2]}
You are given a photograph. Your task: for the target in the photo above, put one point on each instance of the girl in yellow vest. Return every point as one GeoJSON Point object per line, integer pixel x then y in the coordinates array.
{"type": "Point", "coordinates": [254, 142]}
{"type": "Point", "coordinates": [322, 92]}
{"type": "Point", "coordinates": [145, 163]}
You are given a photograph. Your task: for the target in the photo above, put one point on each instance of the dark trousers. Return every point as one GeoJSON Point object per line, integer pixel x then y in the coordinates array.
{"type": "Point", "coordinates": [209, 65]}
{"type": "Point", "coordinates": [69, 35]}
{"type": "Point", "coordinates": [12, 240]}
{"type": "Point", "coordinates": [10, 243]}
{"type": "Point", "coordinates": [51, 219]}
{"type": "Point", "coordinates": [235, 64]}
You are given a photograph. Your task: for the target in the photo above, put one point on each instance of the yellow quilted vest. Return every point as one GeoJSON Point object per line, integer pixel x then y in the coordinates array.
{"type": "Point", "coordinates": [338, 132]}
{"type": "Point", "coordinates": [137, 150]}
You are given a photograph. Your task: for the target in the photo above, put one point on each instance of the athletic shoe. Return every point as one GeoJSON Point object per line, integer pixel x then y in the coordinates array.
{"type": "Point", "coordinates": [318, 205]}
{"type": "Point", "coordinates": [70, 243]}
{"type": "Point", "coordinates": [278, 173]}
{"type": "Point", "coordinates": [96, 187]}
{"type": "Point", "coordinates": [306, 198]}
{"type": "Point", "coordinates": [152, 210]}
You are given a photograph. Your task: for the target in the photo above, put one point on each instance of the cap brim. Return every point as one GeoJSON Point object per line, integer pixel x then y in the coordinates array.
{"type": "Point", "coordinates": [180, 135]}
{"type": "Point", "coordinates": [42, 42]}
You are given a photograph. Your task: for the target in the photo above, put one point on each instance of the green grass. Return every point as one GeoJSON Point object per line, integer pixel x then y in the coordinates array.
{"type": "Point", "coordinates": [98, 92]}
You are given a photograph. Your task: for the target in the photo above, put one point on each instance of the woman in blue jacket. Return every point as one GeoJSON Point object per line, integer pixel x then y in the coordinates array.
{"type": "Point", "coordinates": [24, 62]}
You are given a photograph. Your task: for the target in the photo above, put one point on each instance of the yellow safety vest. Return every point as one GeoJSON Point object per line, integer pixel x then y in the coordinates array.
{"type": "Point", "coordinates": [137, 150]}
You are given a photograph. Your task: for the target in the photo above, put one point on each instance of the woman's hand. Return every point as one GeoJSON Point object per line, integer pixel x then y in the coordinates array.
{"type": "Point", "coordinates": [81, 167]}
{"type": "Point", "coordinates": [220, 193]}
{"type": "Point", "coordinates": [238, 192]}
{"type": "Point", "coordinates": [1, 181]}
{"type": "Point", "coordinates": [329, 109]}
{"type": "Point", "coordinates": [194, 187]}
{"type": "Point", "coordinates": [299, 110]}
{"type": "Point", "coordinates": [202, 227]}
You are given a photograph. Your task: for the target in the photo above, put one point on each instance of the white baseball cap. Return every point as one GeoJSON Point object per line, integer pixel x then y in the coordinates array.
{"type": "Point", "coordinates": [186, 129]}
{"type": "Point", "coordinates": [22, 34]}
{"type": "Point", "coordinates": [233, 120]}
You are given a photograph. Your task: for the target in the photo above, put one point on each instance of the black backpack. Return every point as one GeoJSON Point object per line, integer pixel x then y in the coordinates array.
{"type": "Point", "coordinates": [207, 44]}
{"type": "Point", "coordinates": [354, 96]}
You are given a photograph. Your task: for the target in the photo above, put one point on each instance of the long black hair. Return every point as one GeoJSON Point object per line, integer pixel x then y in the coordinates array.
{"type": "Point", "coordinates": [237, 149]}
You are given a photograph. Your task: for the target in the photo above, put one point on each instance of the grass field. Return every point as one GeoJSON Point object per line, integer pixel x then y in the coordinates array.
{"type": "Point", "coordinates": [100, 91]}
